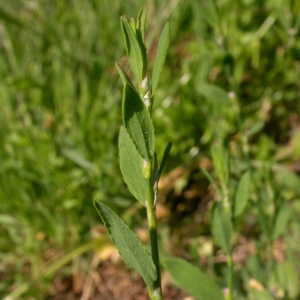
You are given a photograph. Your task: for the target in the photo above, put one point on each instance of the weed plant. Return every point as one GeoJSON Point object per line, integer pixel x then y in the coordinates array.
{"type": "Point", "coordinates": [229, 93]}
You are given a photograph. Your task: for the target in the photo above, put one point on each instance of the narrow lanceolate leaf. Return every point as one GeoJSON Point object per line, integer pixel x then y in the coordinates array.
{"type": "Point", "coordinates": [220, 159]}
{"type": "Point", "coordinates": [140, 36]}
{"type": "Point", "coordinates": [281, 221]}
{"type": "Point", "coordinates": [242, 194]}
{"type": "Point", "coordinates": [211, 181]}
{"type": "Point", "coordinates": [130, 248]}
{"type": "Point", "coordinates": [160, 57]}
{"type": "Point", "coordinates": [164, 158]}
{"type": "Point", "coordinates": [221, 227]}
{"type": "Point", "coordinates": [134, 50]}
{"type": "Point", "coordinates": [213, 93]}
{"type": "Point", "coordinates": [141, 22]}
{"type": "Point", "coordinates": [133, 167]}
{"type": "Point", "coordinates": [289, 279]}
{"type": "Point", "coordinates": [124, 77]}
{"type": "Point", "coordinates": [132, 24]}
{"type": "Point", "coordinates": [138, 122]}
{"type": "Point", "coordinates": [191, 279]}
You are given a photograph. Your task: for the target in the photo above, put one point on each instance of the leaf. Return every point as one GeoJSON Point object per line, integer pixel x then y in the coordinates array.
{"type": "Point", "coordinates": [259, 295]}
{"type": "Point", "coordinates": [155, 176]}
{"type": "Point", "coordinates": [130, 248]}
{"type": "Point", "coordinates": [281, 220]}
{"type": "Point", "coordinates": [242, 194]}
{"type": "Point", "coordinates": [138, 122]}
{"type": "Point", "coordinates": [213, 93]}
{"type": "Point", "coordinates": [164, 158]}
{"type": "Point", "coordinates": [211, 181]}
{"type": "Point", "coordinates": [141, 22]}
{"type": "Point", "coordinates": [290, 180]}
{"type": "Point", "coordinates": [288, 277]}
{"type": "Point", "coordinates": [10, 19]}
{"type": "Point", "coordinates": [220, 159]}
{"type": "Point", "coordinates": [160, 57]}
{"type": "Point", "coordinates": [221, 227]}
{"type": "Point", "coordinates": [255, 128]}
{"type": "Point", "coordinates": [132, 166]}
{"type": "Point", "coordinates": [255, 268]}
{"type": "Point", "coordinates": [191, 279]}
{"type": "Point", "coordinates": [206, 11]}
{"type": "Point", "coordinates": [7, 220]}
{"type": "Point", "coordinates": [78, 158]}
{"type": "Point", "coordinates": [124, 77]}
{"type": "Point", "coordinates": [132, 25]}
{"type": "Point", "coordinates": [134, 51]}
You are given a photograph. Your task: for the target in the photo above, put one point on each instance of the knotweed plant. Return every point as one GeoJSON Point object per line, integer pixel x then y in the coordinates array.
{"type": "Point", "coordinates": [141, 172]}
{"type": "Point", "coordinates": [138, 159]}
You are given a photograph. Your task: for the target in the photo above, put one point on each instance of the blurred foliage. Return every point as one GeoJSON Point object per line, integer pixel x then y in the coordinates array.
{"type": "Point", "coordinates": [232, 75]}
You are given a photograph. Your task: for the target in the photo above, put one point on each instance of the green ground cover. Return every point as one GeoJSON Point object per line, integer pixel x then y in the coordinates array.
{"type": "Point", "coordinates": [230, 82]}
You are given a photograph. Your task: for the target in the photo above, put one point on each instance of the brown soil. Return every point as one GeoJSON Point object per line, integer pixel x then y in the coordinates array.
{"type": "Point", "coordinates": [110, 281]}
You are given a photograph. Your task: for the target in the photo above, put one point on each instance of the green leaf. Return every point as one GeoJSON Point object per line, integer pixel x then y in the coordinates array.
{"type": "Point", "coordinates": [220, 159]}
{"type": "Point", "coordinates": [290, 180]}
{"type": "Point", "coordinates": [207, 11]}
{"type": "Point", "coordinates": [164, 158]}
{"type": "Point", "coordinates": [221, 227]}
{"type": "Point", "coordinates": [10, 19]}
{"type": "Point", "coordinates": [134, 51]}
{"type": "Point", "coordinates": [124, 77]}
{"type": "Point", "coordinates": [133, 167]}
{"type": "Point", "coordinates": [78, 158]}
{"type": "Point", "coordinates": [259, 295]}
{"type": "Point", "coordinates": [138, 122]}
{"type": "Point", "coordinates": [211, 181]}
{"type": "Point", "coordinates": [7, 220]}
{"type": "Point", "coordinates": [255, 128]}
{"type": "Point", "coordinates": [191, 279]}
{"type": "Point", "coordinates": [140, 36]}
{"type": "Point", "coordinates": [155, 170]}
{"type": "Point", "coordinates": [132, 25]}
{"type": "Point", "coordinates": [160, 57]}
{"type": "Point", "coordinates": [141, 22]}
{"type": "Point", "coordinates": [213, 93]}
{"type": "Point", "coordinates": [130, 248]}
{"type": "Point", "coordinates": [288, 277]}
{"type": "Point", "coordinates": [242, 194]}
{"type": "Point", "coordinates": [281, 221]}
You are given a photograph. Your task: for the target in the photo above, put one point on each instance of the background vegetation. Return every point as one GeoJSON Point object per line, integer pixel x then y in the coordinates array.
{"type": "Point", "coordinates": [231, 78]}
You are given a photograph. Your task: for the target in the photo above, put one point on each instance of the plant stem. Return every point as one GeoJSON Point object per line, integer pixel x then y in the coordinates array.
{"type": "Point", "coordinates": [230, 276]}
{"type": "Point", "coordinates": [152, 223]}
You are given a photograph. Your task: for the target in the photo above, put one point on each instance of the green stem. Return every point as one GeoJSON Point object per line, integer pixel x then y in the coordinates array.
{"type": "Point", "coordinates": [152, 223]}
{"type": "Point", "coordinates": [157, 295]}
{"type": "Point", "coordinates": [225, 196]}
{"type": "Point", "coordinates": [230, 276]}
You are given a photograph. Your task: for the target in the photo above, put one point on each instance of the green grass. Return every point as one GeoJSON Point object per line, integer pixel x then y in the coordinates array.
{"type": "Point", "coordinates": [60, 115]}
